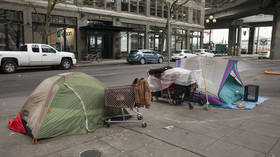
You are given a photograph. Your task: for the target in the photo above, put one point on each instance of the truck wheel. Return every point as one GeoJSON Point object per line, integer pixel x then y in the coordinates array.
{"type": "Point", "coordinates": [66, 64]}
{"type": "Point", "coordinates": [9, 67]}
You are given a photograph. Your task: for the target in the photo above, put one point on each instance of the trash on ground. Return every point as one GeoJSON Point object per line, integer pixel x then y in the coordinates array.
{"type": "Point", "coordinates": [168, 127]}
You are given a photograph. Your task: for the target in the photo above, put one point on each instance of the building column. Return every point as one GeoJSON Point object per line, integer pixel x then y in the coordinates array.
{"type": "Point", "coordinates": [201, 39]}
{"type": "Point", "coordinates": [147, 36]}
{"type": "Point", "coordinates": [238, 46]}
{"type": "Point", "coordinates": [118, 4]}
{"type": "Point", "coordinates": [116, 45]}
{"type": "Point", "coordinates": [231, 40]}
{"type": "Point", "coordinates": [275, 41]}
{"type": "Point", "coordinates": [187, 42]}
{"type": "Point", "coordinates": [82, 46]}
{"type": "Point", "coordinates": [251, 40]}
{"type": "Point", "coordinates": [27, 16]}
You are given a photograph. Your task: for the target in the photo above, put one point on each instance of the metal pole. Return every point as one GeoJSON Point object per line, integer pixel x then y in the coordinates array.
{"type": "Point", "coordinates": [210, 39]}
{"type": "Point", "coordinates": [257, 46]}
{"type": "Point", "coordinates": [168, 35]}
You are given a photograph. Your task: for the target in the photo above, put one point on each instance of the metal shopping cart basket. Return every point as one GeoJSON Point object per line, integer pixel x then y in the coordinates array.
{"type": "Point", "coordinates": [123, 97]}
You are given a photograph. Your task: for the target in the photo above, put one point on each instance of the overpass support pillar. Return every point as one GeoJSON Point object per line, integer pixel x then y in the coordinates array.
{"type": "Point", "coordinates": [275, 41]}
{"type": "Point", "coordinates": [231, 41]}
{"type": "Point", "coordinates": [251, 40]}
{"type": "Point", "coordinates": [238, 46]}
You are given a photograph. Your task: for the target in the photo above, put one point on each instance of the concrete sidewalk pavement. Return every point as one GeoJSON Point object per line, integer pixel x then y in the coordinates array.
{"type": "Point", "coordinates": [195, 133]}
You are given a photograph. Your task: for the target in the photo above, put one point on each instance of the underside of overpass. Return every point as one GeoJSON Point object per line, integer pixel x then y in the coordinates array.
{"type": "Point", "coordinates": [235, 14]}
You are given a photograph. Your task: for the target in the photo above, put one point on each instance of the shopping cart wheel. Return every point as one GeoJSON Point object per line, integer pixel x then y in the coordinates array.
{"type": "Point", "coordinates": [144, 125]}
{"type": "Point", "coordinates": [139, 117]}
{"type": "Point", "coordinates": [107, 123]}
{"type": "Point", "coordinates": [190, 106]}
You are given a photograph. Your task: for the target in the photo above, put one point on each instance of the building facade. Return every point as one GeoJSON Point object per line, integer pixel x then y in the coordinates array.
{"type": "Point", "coordinates": [112, 27]}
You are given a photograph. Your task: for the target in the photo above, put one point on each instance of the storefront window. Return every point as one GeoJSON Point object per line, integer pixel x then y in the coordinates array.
{"type": "Point", "coordinates": [186, 14]}
{"type": "Point", "coordinates": [124, 5]}
{"type": "Point", "coordinates": [153, 8]}
{"type": "Point", "coordinates": [151, 41]}
{"type": "Point", "coordinates": [159, 8]}
{"type": "Point", "coordinates": [196, 16]}
{"type": "Point", "coordinates": [133, 6]}
{"type": "Point", "coordinates": [180, 14]}
{"type": "Point", "coordinates": [173, 43]}
{"type": "Point", "coordinates": [124, 42]}
{"type": "Point", "coordinates": [88, 3]}
{"type": "Point", "coordinates": [179, 42]}
{"type": "Point", "coordinates": [156, 42]}
{"type": "Point", "coordinates": [111, 4]}
{"type": "Point", "coordinates": [14, 36]}
{"type": "Point", "coordinates": [133, 41]}
{"type": "Point", "coordinates": [2, 37]}
{"type": "Point", "coordinates": [99, 4]}
{"type": "Point", "coordinates": [11, 30]}
{"type": "Point", "coordinates": [142, 7]}
{"type": "Point", "coordinates": [165, 13]}
{"type": "Point", "coordinates": [141, 41]}
{"type": "Point", "coordinates": [195, 44]}
{"type": "Point", "coordinates": [62, 32]}
{"type": "Point", "coordinates": [175, 14]}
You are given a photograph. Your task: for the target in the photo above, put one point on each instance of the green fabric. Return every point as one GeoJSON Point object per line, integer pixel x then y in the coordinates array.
{"type": "Point", "coordinates": [231, 90]}
{"type": "Point", "coordinates": [66, 116]}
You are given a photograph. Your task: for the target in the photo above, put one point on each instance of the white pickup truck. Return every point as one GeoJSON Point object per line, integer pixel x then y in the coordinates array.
{"type": "Point", "coordinates": [35, 55]}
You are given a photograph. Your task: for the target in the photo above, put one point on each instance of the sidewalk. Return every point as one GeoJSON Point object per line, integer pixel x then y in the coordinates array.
{"type": "Point", "coordinates": [195, 133]}
{"type": "Point", "coordinates": [103, 62]}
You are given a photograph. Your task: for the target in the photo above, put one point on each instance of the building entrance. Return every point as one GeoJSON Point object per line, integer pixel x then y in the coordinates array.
{"type": "Point", "coordinates": [96, 43]}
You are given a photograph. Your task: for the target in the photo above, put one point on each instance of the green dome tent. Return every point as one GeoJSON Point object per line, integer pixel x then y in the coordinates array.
{"type": "Point", "coordinates": [65, 104]}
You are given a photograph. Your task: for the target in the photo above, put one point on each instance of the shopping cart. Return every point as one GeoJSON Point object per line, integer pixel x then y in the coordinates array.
{"type": "Point", "coordinates": [174, 93]}
{"type": "Point", "coordinates": [123, 97]}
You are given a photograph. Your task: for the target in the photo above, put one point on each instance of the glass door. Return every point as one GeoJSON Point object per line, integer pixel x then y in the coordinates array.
{"type": "Point", "coordinates": [95, 44]}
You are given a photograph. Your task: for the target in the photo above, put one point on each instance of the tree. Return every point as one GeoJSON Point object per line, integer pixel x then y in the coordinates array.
{"type": "Point", "coordinates": [46, 22]}
{"type": "Point", "coordinates": [174, 7]}
{"type": "Point", "coordinates": [51, 6]}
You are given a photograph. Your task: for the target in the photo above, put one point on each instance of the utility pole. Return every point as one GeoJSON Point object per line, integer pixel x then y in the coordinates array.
{"type": "Point", "coordinates": [168, 35]}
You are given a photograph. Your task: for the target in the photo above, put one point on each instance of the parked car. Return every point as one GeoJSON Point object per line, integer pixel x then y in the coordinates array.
{"type": "Point", "coordinates": [35, 55]}
{"type": "Point", "coordinates": [184, 53]}
{"type": "Point", "coordinates": [204, 52]}
{"type": "Point", "coordinates": [264, 54]}
{"type": "Point", "coordinates": [144, 56]}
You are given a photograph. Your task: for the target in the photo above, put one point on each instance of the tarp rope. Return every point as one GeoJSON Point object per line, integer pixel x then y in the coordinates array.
{"type": "Point", "coordinates": [82, 103]}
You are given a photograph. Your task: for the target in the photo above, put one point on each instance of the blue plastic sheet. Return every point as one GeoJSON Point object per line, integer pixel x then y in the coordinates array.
{"type": "Point", "coordinates": [248, 105]}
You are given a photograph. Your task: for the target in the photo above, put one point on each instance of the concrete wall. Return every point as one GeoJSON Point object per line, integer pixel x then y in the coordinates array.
{"type": "Point", "coordinates": [275, 42]}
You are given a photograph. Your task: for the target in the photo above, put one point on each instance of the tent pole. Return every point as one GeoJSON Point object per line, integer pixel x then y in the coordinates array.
{"type": "Point", "coordinates": [204, 80]}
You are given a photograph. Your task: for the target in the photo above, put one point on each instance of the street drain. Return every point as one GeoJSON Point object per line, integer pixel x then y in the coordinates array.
{"type": "Point", "coordinates": [90, 153]}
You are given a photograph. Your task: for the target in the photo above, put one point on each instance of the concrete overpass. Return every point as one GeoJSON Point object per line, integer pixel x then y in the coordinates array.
{"type": "Point", "coordinates": [235, 14]}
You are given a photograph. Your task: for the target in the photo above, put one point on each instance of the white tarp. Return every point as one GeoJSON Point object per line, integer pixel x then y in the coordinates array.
{"type": "Point", "coordinates": [175, 75]}
{"type": "Point", "coordinates": [214, 69]}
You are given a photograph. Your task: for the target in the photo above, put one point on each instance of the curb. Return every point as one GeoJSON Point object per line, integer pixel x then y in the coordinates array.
{"type": "Point", "coordinates": [100, 63]}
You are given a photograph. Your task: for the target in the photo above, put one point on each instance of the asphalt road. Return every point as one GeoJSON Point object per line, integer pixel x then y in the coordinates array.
{"type": "Point", "coordinates": [25, 81]}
